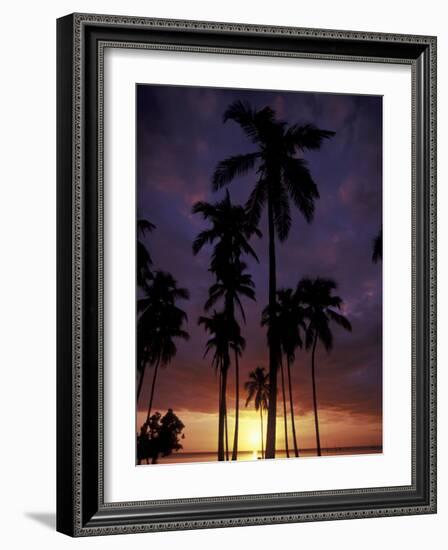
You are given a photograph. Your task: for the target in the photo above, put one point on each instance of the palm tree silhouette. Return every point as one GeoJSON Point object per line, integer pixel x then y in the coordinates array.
{"type": "Point", "coordinates": [281, 176]}
{"type": "Point", "coordinates": [237, 343]}
{"type": "Point", "coordinates": [220, 340]}
{"type": "Point", "coordinates": [377, 248]}
{"type": "Point", "coordinates": [267, 321]}
{"type": "Point", "coordinates": [291, 321]}
{"type": "Point", "coordinates": [230, 226]}
{"type": "Point", "coordinates": [160, 323]}
{"type": "Point", "coordinates": [257, 388]}
{"type": "Point", "coordinates": [230, 231]}
{"type": "Point", "coordinates": [232, 281]}
{"type": "Point", "coordinates": [318, 300]}
{"type": "Point", "coordinates": [144, 260]}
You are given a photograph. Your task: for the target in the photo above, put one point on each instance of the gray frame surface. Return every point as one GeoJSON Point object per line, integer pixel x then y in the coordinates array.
{"type": "Point", "coordinates": [82, 39]}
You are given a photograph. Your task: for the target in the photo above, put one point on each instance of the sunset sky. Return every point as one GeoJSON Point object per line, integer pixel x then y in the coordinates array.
{"type": "Point", "coordinates": [180, 140]}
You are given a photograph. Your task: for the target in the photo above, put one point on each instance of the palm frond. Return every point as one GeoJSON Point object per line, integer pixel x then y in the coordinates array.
{"type": "Point", "coordinates": [253, 123]}
{"type": "Point", "coordinates": [142, 304]}
{"type": "Point", "coordinates": [307, 136]}
{"type": "Point", "coordinates": [282, 213]}
{"type": "Point", "coordinates": [229, 168]}
{"type": "Point", "coordinates": [215, 292]}
{"type": "Point", "coordinates": [377, 247]}
{"type": "Point", "coordinates": [300, 185]}
{"type": "Point", "coordinates": [145, 226]}
{"type": "Point", "coordinates": [202, 239]}
{"type": "Point", "coordinates": [339, 319]}
{"type": "Point", "coordinates": [256, 202]}
{"type": "Point", "coordinates": [205, 208]}
{"type": "Point", "coordinates": [326, 337]}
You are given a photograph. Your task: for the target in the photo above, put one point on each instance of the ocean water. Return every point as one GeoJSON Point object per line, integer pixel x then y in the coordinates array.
{"type": "Point", "coordinates": [178, 458]}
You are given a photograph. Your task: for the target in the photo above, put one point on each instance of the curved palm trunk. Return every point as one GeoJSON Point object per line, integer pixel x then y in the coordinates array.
{"type": "Point", "coordinates": [219, 410]}
{"type": "Point", "coordinates": [140, 382]}
{"type": "Point", "coordinates": [291, 405]}
{"type": "Point", "coordinates": [227, 435]}
{"type": "Point", "coordinates": [237, 407]}
{"type": "Point", "coordinates": [285, 418]}
{"type": "Point", "coordinates": [316, 420]}
{"type": "Point", "coordinates": [273, 341]}
{"type": "Point", "coordinates": [156, 368]}
{"type": "Point", "coordinates": [222, 413]}
{"type": "Point", "coordinates": [262, 435]}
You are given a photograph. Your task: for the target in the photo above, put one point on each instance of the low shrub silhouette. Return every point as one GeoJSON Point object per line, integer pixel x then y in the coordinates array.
{"type": "Point", "coordinates": [160, 437]}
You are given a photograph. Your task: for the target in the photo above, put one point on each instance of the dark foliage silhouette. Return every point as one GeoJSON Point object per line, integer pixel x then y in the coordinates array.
{"type": "Point", "coordinates": [219, 342]}
{"type": "Point", "coordinates": [229, 225]}
{"type": "Point", "coordinates": [320, 306]}
{"type": "Point", "coordinates": [159, 326]}
{"type": "Point", "coordinates": [291, 321]}
{"type": "Point", "coordinates": [160, 436]}
{"type": "Point", "coordinates": [257, 388]}
{"type": "Point", "coordinates": [377, 247]}
{"type": "Point", "coordinates": [230, 232]}
{"type": "Point", "coordinates": [144, 261]}
{"type": "Point", "coordinates": [281, 176]}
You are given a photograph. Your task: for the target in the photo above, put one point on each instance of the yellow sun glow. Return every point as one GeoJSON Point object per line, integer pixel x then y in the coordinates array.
{"type": "Point", "coordinates": [254, 439]}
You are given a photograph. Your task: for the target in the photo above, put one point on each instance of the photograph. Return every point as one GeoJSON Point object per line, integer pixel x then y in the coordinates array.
{"type": "Point", "coordinates": [246, 273]}
{"type": "Point", "coordinates": [258, 274]}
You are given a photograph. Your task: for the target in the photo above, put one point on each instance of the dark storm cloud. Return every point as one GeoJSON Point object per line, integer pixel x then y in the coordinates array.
{"type": "Point", "coordinates": [181, 138]}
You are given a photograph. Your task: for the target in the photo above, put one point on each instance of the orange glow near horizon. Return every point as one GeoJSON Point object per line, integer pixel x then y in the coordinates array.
{"type": "Point", "coordinates": [181, 139]}
{"type": "Point", "coordinates": [337, 429]}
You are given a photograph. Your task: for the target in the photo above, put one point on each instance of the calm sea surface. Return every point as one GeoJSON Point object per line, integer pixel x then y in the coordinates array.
{"type": "Point", "coordinates": [177, 458]}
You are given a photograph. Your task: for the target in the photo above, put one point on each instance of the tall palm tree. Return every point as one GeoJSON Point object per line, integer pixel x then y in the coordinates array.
{"type": "Point", "coordinates": [377, 247]}
{"type": "Point", "coordinates": [290, 321]}
{"type": "Point", "coordinates": [220, 340]}
{"type": "Point", "coordinates": [319, 303]}
{"type": "Point", "coordinates": [266, 320]}
{"type": "Point", "coordinates": [281, 175]}
{"type": "Point", "coordinates": [237, 343]}
{"type": "Point", "coordinates": [285, 416]}
{"type": "Point", "coordinates": [144, 260]}
{"type": "Point", "coordinates": [160, 324]}
{"type": "Point", "coordinates": [232, 281]}
{"type": "Point", "coordinates": [230, 232]}
{"type": "Point", "coordinates": [257, 388]}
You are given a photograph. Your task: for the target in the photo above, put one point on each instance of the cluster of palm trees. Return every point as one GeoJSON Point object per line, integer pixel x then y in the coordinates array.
{"type": "Point", "coordinates": [309, 310]}
{"type": "Point", "coordinates": [282, 177]}
{"type": "Point", "coordinates": [229, 232]}
{"type": "Point", "coordinates": [160, 320]}
{"type": "Point", "coordinates": [294, 318]}
{"type": "Point", "coordinates": [303, 317]}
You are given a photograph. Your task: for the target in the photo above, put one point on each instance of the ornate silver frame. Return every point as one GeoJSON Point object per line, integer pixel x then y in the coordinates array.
{"type": "Point", "coordinates": [82, 39]}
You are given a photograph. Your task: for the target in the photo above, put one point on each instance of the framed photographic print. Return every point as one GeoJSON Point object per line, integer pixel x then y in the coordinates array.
{"type": "Point", "coordinates": [246, 274]}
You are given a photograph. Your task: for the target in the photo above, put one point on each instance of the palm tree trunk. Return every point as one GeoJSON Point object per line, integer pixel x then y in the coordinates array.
{"type": "Point", "coordinates": [220, 421]}
{"type": "Point", "coordinates": [285, 419]}
{"type": "Point", "coordinates": [273, 346]}
{"type": "Point", "coordinates": [140, 382]}
{"type": "Point", "coordinates": [222, 414]}
{"type": "Point", "coordinates": [227, 432]}
{"type": "Point", "coordinates": [316, 420]}
{"type": "Point", "coordinates": [237, 407]}
{"type": "Point", "coordinates": [156, 368]}
{"type": "Point", "coordinates": [291, 405]}
{"type": "Point", "coordinates": [262, 435]}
